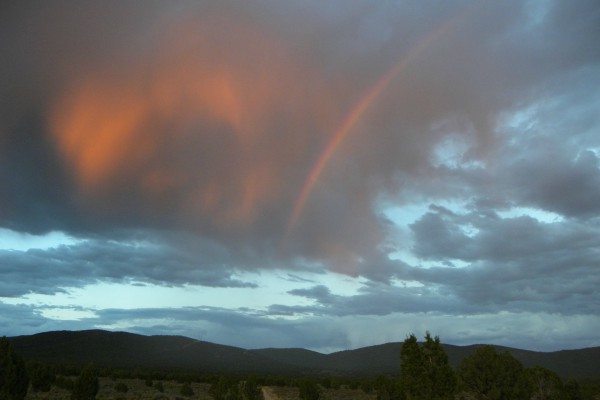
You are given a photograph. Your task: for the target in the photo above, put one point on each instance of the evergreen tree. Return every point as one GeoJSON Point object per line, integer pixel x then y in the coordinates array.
{"type": "Point", "coordinates": [425, 373]}
{"type": "Point", "coordinates": [440, 376]}
{"type": "Point", "coordinates": [545, 384]}
{"type": "Point", "coordinates": [14, 380]}
{"type": "Point", "coordinates": [572, 390]}
{"type": "Point", "coordinates": [412, 369]}
{"type": "Point", "coordinates": [251, 390]}
{"type": "Point", "coordinates": [41, 376]}
{"type": "Point", "coordinates": [494, 376]}
{"type": "Point", "coordinates": [86, 386]}
{"type": "Point", "coordinates": [218, 390]}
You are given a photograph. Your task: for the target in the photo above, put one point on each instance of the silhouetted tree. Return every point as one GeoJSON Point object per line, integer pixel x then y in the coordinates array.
{"type": "Point", "coordinates": [41, 377]}
{"type": "Point", "coordinates": [86, 386]}
{"type": "Point", "coordinates": [14, 380]}
{"type": "Point", "coordinates": [425, 373]}
{"type": "Point", "coordinates": [494, 376]}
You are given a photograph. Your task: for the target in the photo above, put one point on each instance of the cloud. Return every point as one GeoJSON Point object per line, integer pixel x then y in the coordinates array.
{"type": "Point", "coordinates": [188, 143]}
{"type": "Point", "coordinates": [134, 258]}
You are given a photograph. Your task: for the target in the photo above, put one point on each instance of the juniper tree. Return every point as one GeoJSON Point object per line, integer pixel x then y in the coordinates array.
{"type": "Point", "coordinates": [86, 386]}
{"type": "Point", "coordinates": [13, 373]}
{"type": "Point", "coordinates": [425, 373]}
{"type": "Point", "coordinates": [494, 376]}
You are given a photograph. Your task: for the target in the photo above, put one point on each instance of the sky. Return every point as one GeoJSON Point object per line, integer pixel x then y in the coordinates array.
{"type": "Point", "coordinates": [319, 174]}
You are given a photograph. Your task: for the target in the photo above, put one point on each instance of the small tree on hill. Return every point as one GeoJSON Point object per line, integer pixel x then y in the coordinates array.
{"type": "Point", "coordinates": [86, 386]}
{"type": "Point", "coordinates": [13, 373]}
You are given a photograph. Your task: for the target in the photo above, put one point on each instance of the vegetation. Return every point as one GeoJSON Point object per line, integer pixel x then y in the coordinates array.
{"type": "Point", "coordinates": [425, 372]}
{"type": "Point", "coordinates": [41, 376]}
{"type": "Point", "coordinates": [86, 386]}
{"type": "Point", "coordinates": [14, 380]}
{"type": "Point", "coordinates": [186, 390]}
{"type": "Point", "coordinates": [309, 390]}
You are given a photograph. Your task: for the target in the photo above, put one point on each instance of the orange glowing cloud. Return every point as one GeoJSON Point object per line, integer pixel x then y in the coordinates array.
{"type": "Point", "coordinates": [210, 122]}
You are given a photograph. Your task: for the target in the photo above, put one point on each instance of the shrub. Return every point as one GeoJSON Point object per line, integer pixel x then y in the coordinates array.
{"type": "Point", "coordinates": [186, 390]}
{"type": "Point", "coordinates": [13, 373]}
{"type": "Point", "coordinates": [121, 387]}
{"type": "Point", "coordinates": [309, 390]}
{"type": "Point", "coordinates": [86, 386]}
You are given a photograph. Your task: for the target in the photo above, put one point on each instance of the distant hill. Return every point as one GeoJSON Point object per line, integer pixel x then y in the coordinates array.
{"type": "Point", "coordinates": [127, 350]}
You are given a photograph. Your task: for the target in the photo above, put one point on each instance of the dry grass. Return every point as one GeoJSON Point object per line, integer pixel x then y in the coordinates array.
{"type": "Point", "coordinates": [137, 390]}
{"type": "Point", "coordinates": [292, 393]}
{"type": "Point", "coordinates": [346, 394]}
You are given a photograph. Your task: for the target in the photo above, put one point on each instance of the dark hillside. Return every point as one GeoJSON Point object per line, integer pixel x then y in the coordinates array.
{"type": "Point", "coordinates": [126, 350]}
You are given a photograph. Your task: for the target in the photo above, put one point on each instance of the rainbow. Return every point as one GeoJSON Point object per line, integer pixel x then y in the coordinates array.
{"type": "Point", "coordinates": [360, 107]}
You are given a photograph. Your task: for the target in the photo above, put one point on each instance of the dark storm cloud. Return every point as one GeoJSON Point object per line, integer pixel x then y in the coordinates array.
{"type": "Point", "coordinates": [124, 123]}
{"type": "Point", "coordinates": [55, 270]}
{"type": "Point", "coordinates": [518, 263]}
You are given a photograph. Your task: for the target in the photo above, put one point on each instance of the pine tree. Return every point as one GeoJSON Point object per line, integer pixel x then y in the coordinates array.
{"type": "Point", "coordinates": [13, 373]}
{"type": "Point", "coordinates": [441, 378]}
{"type": "Point", "coordinates": [425, 373]}
{"type": "Point", "coordinates": [41, 376]}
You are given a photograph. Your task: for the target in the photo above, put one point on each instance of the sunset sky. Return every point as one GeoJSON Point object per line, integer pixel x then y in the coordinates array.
{"type": "Point", "coordinates": [318, 174]}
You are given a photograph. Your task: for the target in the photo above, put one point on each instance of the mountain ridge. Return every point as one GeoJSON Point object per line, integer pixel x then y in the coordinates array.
{"type": "Point", "coordinates": [164, 352]}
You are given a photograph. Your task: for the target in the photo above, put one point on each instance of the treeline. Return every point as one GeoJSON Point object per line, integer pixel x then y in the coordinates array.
{"type": "Point", "coordinates": [425, 374]}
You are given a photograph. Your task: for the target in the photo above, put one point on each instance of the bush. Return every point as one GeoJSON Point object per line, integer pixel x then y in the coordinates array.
{"type": "Point", "coordinates": [186, 390]}
{"type": "Point", "coordinates": [13, 373]}
{"type": "Point", "coordinates": [86, 386]}
{"type": "Point", "coordinates": [41, 376]}
{"type": "Point", "coordinates": [496, 376]}
{"type": "Point", "coordinates": [121, 387]}
{"type": "Point", "coordinates": [309, 390]}
{"type": "Point", "coordinates": [158, 385]}
{"type": "Point", "coordinates": [64, 383]}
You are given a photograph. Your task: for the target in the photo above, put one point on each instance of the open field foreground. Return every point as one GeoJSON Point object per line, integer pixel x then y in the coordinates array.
{"type": "Point", "coordinates": [292, 393]}
{"type": "Point", "coordinates": [138, 390]}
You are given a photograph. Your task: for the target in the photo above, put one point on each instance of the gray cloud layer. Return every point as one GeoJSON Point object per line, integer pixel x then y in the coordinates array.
{"type": "Point", "coordinates": [175, 141]}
